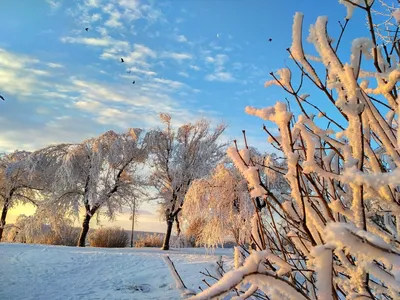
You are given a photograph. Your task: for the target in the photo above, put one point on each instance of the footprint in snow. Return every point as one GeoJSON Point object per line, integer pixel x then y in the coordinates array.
{"type": "Point", "coordinates": [141, 288]}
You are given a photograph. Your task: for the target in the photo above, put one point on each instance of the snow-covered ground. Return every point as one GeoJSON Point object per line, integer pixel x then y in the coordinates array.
{"type": "Point", "coordinates": [44, 272]}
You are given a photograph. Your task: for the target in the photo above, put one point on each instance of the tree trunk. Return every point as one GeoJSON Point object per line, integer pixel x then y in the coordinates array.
{"type": "Point", "coordinates": [84, 231]}
{"type": "Point", "coordinates": [3, 218]}
{"type": "Point", "coordinates": [170, 222]}
{"type": "Point", "coordinates": [178, 226]}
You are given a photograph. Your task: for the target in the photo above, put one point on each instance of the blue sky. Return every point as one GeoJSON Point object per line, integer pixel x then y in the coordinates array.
{"type": "Point", "coordinates": [189, 58]}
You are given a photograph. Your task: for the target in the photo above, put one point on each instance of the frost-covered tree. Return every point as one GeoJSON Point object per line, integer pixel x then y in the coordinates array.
{"type": "Point", "coordinates": [96, 175]}
{"type": "Point", "coordinates": [336, 234]}
{"type": "Point", "coordinates": [222, 201]}
{"type": "Point", "coordinates": [15, 185]}
{"type": "Point", "coordinates": [179, 156]}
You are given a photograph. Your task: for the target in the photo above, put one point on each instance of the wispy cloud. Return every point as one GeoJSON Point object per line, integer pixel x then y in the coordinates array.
{"type": "Point", "coordinates": [181, 39]}
{"type": "Point", "coordinates": [171, 83]}
{"type": "Point", "coordinates": [20, 74]}
{"type": "Point", "coordinates": [92, 3]}
{"type": "Point", "coordinates": [194, 67]}
{"type": "Point", "coordinates": [220, 73]}
{"type": "Point", "coordinates": [103, 42]}
{"type": "Point", "coordinates": [184, 74]}
{"type": "Point", "coordinates": [220, 76]}
{"type": "Point", "coordinates": [177, 56]}
{"type": "Point", "coordinates": [114, 19]}
{"type": "Point", "coordinates": [219, 60]}
{"type": "Point", "coordinates": [54, 65]}
{"type": "Point", "coordinates": [117, 13]}
{"type": "Point", "coordinates": [135, 70]}
{"type": "Point", "coordinates": [55, 5]}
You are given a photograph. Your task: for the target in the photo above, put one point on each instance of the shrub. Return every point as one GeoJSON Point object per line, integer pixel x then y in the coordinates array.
{"type": "Point", "coordinates": [109, 237]}
{"type": "Point", "coordinates": [150, 240]}
{"type": "Point", "coordinates": [29, 230]}
{"type": "Point", "coordinates": [184, 241]}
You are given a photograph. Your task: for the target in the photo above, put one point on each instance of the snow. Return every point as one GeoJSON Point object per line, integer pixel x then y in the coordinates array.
{"type": "Point", "coordinates": [396, 15]}
{"type": "Point", "coordinates": [57, 272]}
{"type": "Point", "coordinates": [349, 7]}
{"type": "Point", "coordinates": [323, 267]}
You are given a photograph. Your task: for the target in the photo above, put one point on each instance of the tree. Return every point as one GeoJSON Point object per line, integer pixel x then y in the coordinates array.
{"type": "Point", "coordinates": [15, 185]}
{"type": "Point", "coordinates": [222, 201]}
{"type": "Point", "coordinates": [178, 157]}
{"type": "Point", "coordinates": [339, 228]}
{"type": "Point", "coordinates": [96, 174]}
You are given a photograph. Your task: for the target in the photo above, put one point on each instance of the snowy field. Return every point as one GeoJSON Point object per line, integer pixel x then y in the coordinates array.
{"type": "Point", "coordinates": [44, 272]}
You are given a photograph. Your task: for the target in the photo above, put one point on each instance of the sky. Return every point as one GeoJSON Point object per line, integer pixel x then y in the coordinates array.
{"type": "Point", "coordinates": [191, 59]}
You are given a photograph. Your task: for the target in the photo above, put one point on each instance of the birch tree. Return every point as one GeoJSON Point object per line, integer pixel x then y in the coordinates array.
{"type": "Point", "coordinates": [178, 157]}
{"type": "Point", "coordinates": [336, 234]}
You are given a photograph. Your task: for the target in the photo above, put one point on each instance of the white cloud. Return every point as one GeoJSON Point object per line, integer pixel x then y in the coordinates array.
{"type": "Point", "coordinates": [135, 70]}
{"type": "Point", "coordinates": [220, 76]}
{"type": "Point", "coordinates": [15, 61]}
{"type": "Point", "coordinates": [171, 83]}
{"type": "Point", "coordinates": [129, 4]}
{"type": "Point", "coordinates": [177, 56]}
{"type": "Point", "coordinates": [218, 60]}
{"type": "Point", "coordinates": [102, 30]}
{"type": "Point", "coordinates": [103, 42]}
{"type": "Point", "coordinates": [92, 3]}
{"type": "Point", "coordinates": [184, 74]}
{"type": "Point", "coordinates": [115, 16]}
{"type": "Point", "coordinates": [37, 72]}
{"type": "Point", "coordinates": [181, 38]}
{"type": "Point", "coordinates": [54, 65]}
{"type": "Point", "coordinates": [194, 67]}
{"type": "Point", "coordinates": [20, 75]}
{"type": "Point", "coordinates": [54, 4]}
{"type": "Point", "coordinates": [95, 17]}
{"type": "Point", "coordinates": [89, 105]}
{"type": "Point", "coordinates": [143, 51]}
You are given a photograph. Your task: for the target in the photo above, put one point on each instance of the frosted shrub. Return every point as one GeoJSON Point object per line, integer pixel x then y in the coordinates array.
{"type": "Point", "coordinates": [335, 232]}
{"type": "Point", "coordinates": [109, 237]}
{"type": "Point", "coordinates": [32, 230]}
{"type": "Point", "coordinates": [149, 240]}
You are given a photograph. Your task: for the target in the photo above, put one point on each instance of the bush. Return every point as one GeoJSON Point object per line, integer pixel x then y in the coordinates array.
{"type": "Point", "coordinates": [29, 230]}
{"type": "Point", "coordinates": [150, 240]}
{"type": "Point", "coordinates": [184, 241]}
{"type": "Point", "coordinates": [109, 237]}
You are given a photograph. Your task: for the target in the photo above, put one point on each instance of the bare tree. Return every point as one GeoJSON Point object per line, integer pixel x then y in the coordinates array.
{"type": "Point", "coordinates": [96, 174]}
{"type": "Point", "coordinates": [179, 156]}
{"type": "Point", "coordinates": [15, 185]}
{"type": "Point", "coordinates": [336, 233]}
